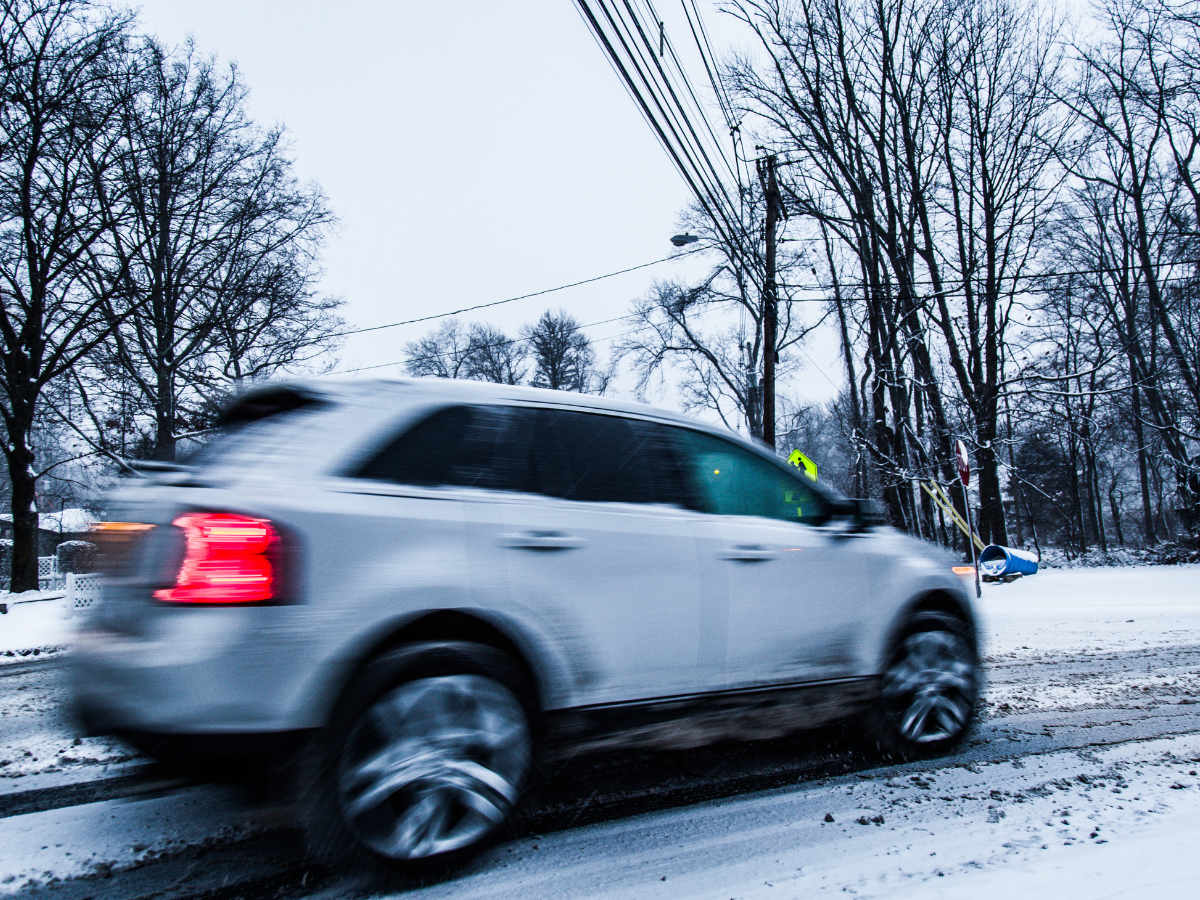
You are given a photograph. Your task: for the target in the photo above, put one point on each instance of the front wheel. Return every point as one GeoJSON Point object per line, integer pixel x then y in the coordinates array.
{"type": "Point", "coordinates": [426, 759]}
{"type": "Point", "coordinates": [929, 688]}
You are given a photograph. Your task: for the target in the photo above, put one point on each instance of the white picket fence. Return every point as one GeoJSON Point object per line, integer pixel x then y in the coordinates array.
{"type": "Point", "coordinates": [83, 591]}
{"type": "Point", "coordinates": [49, 578]}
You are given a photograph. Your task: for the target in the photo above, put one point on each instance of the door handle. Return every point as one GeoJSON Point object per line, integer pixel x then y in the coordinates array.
{"type": "Point", "coordinates": [749, 553]}
{"type": "Point", "coordinates": [540, 540]}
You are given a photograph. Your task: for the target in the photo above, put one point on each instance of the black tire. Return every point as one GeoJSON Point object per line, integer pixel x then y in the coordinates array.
{"type": "Point", "coordinates": [423, 762]}
{"type": "Point", "coordinates": [928, 689]}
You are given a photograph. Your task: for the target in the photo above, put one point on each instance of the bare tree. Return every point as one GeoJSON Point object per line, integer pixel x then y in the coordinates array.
{"type": "Point", "coordinates": [922, 136]}
{"type": "Point", "coordinates": [707, 339]}
{"type": "Point", "coordinates": [562, 355]}
{"type": "Point", "coordinates": [494, 356]}
{"type": "Point", "coordinates": [1001, 136]}
{"type": "Point", "coordinates": [477, 351]}
{"type": "Point", "coordinates": [219, 261]}
{"type": "Point", "coordinates": [443, 353]}
{"type": "Point", "coordinates": [847, 96]}
{"type": "Point", "coordinates": [678, 330]}
{"type": "Point", "coordinates": [63, 65]}
{"type": "Point", "coordinates": [1137, 97]}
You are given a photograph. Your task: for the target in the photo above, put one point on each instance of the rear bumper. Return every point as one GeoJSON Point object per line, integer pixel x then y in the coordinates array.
{"type": "Point", "coordinates": [177, 679]}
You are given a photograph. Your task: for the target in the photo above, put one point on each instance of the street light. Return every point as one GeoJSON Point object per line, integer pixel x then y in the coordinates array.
{"type": "Point", "coordinates": [680, 240]}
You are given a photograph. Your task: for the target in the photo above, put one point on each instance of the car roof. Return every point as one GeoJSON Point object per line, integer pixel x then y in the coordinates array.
{"type": "Point", "coordinates": [408, 395]}
{"type": "Point", "coordinates": [426, 391]}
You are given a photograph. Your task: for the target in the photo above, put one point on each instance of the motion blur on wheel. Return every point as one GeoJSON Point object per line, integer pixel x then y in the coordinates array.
{"type": "Point", "coordinates": [415, 591]}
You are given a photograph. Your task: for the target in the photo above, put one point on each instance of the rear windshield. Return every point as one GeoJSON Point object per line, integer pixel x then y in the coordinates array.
{"type": "Point", "coordinates": [263, 404]}
{"type": "Point", "coordinates": [251, 417]}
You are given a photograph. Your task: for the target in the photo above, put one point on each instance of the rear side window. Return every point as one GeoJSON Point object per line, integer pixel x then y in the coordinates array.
{"type": "Point", "coordinates": [579, 456]}
{"type": "Point", "coordinates": [596, 458]}
{"type": "Point", "coordinates": [425, 454]}
{"type": "Point", "coordinates": [265, 403]}
{"type": "Point", "coordinates": [459, 446]}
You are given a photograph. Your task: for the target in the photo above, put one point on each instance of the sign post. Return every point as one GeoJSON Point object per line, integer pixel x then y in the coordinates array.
{"type": "Point", "coordinates": [964, 474]}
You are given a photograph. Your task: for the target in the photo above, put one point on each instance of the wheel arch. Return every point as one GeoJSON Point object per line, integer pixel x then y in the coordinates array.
{"type": "Point", "coordinates": [432, 626]}
{"type": "Point", "coordinates": [938, 601]}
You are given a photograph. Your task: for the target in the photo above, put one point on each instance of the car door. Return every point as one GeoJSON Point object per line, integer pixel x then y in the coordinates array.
{"type": "Point", "coordinates": [601, 542]}
{"type": "Point", "coordinates": [795, 588]}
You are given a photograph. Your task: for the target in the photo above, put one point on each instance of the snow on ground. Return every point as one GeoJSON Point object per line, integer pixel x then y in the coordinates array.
{"type": "Point", "coordinates": [1115, 822]}
{"type": "Point", "coordinates": [95, 838]}
{"type": "Point", "coordinates": [37, 738]}
{"type": "Point", "coordinates": [1104, 609]}
{"type": "Point", "coordinates": [38, 742]}
{"type": "Point", "coordinates": [29, 625]}
{"type": "Point", "coordinates": [1120, 822]}
{"type": "Point", "coordinates": [1081, 613]}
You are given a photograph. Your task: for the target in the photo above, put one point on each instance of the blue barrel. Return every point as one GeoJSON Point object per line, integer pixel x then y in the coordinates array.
{"type": "Point", "coordinates": [997, 562]}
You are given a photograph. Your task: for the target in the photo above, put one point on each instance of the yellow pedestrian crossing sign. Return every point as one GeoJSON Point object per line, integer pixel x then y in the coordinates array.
{"type": "Point", "coordinates": [799, 460]}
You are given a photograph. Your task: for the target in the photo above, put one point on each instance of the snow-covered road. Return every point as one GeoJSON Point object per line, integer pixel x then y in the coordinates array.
{"type": "Point", "coordinates": [1090, 824]}
{"type": "Point", "coordinates": [1079, 783]}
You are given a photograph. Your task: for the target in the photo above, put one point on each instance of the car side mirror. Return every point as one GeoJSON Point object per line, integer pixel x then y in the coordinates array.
{"type": "Point", "coordinates": [859, 514]}
{"type": "Point", "coordinates": [869, 513]}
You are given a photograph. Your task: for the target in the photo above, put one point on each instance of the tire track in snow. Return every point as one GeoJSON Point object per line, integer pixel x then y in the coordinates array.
{"type": "Point", "coordinates": [1095, 700]}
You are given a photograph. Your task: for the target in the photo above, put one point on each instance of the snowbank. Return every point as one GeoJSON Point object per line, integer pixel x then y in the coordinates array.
{"type": "Point", "coordinates": [1069, 610]}
{"type": "Point", "coordinates": [95, 838]}
{"type": "Point", "coordinates": [35, 623]}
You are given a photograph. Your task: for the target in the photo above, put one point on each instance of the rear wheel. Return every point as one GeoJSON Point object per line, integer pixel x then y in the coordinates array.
{"type": "Point", "coordinates": [929, 688]}
{"type": "Point", "coordinates": [425, 761]}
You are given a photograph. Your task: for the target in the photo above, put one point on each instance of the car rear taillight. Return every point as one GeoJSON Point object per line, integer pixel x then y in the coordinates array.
{"type": "Point", "coordinates": [227, 559]}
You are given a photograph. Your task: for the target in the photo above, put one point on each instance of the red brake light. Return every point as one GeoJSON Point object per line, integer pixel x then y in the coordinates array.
{"type": "Point", "coordinates": [228, 559]}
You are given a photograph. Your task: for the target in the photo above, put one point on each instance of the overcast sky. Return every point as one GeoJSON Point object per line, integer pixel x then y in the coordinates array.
{"type": "Point", "coordinates": [474, 151]}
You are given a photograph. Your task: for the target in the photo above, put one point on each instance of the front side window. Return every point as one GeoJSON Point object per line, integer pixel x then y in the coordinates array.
{"type": "Point", "coordinates": [732, 481]}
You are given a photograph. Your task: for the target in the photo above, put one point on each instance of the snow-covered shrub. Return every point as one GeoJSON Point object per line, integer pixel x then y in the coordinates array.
{"type": "Point", "coordinates": [76, 556]}
{"type": "Point", "coordinates": [1173, 553]}
{"type": "Point", "coordinates": [6, 555]}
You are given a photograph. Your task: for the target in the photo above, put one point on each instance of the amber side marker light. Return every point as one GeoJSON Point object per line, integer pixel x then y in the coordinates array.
{"type": "Point", "coordinates": [120, 527]}
{"type": "Point", "coordinates": [228, 559]}
{"type": "Point", "coordinates": [115, 541]}
{"type": "Point", "coordinates": [963, 570]}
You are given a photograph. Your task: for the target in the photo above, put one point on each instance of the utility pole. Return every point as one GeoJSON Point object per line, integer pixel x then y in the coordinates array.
{"type": "Point", "coordinates": [766, 173]}
{"type": "Point", "coordinates": [753, 392]}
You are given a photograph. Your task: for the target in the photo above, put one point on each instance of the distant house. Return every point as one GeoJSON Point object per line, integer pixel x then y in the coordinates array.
{"type": "Point", "coordinates": [53, 528]}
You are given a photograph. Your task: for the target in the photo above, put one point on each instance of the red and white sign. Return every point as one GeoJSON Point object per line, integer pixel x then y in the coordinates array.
{"type": "Point", "coordinates": [963, 463]}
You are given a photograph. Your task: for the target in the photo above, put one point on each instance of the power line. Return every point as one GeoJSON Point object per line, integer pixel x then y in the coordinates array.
{"type": "Point", "coordinates": [665, 112]}
{"type": "Point", "coordinates": [508, 343]}
{"type": "Point", "coordinates": [635, 94]}
{"type": "Point", "coordinates": [677, 121]}
{"type": "Point", "coordinates": [955, 286]}
{"type": "Point", "coordinates": [678, 108]}
{"type": "Point", "coordinates": [669, 46]}
{"type": "Point", "coordinates": [562, 287]}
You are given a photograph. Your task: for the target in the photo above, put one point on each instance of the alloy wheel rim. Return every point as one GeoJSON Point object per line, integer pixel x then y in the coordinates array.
{"type": "Point", "coordinates": [433, 766]}
{"type": "Point", "coordinates": [930, 687]}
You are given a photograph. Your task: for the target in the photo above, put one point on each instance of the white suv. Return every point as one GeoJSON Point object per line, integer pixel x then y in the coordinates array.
{"type": "Point", "coordinates": [422, 586]}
